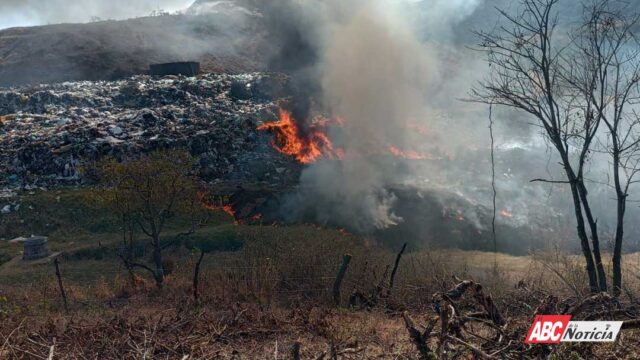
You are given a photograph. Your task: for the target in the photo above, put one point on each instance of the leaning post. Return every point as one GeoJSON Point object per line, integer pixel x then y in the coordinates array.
{"type": "Point", "coordinates": [62, 292]}
{"type": "Point", "coordinates": [338, 283]}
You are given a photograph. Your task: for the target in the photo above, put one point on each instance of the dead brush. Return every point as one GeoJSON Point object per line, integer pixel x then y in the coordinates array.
{"type": "Point", "coordinates": [567, 270]}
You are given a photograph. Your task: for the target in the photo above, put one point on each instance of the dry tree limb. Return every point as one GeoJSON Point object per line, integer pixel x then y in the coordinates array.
{"type": "Point", "coordinates": [445, 314]}
{"type": "Point", "coordinates": [475, 349]}
{"type": "Point", "coordinates": [430, 325]}
{"type": "Point", "coordinates": [610, 313]}
{"type": "Point", "coordinates": [465, 319]}
{"type": "Point", "coordinates": [51, 351]}
{"type": "Point", "coordinates": [459, 290]}
{"type": "Point", "coordinates": [486, 301]}
{"type": "Point", "coordinates": [351, 351]}
{"type": "Point", "coordinates": [419, 338]}
{"type": "Point", "coordinates": [295, 351]}
{"type": "Point", "coordinates": [333, 351]}
{"type": "Point", "coordinates": [586, 302]}
{"type": "Point", "coordinates": [6, 340]}
{"type": "Point", "coordinates": [378, 291]}
{"type": "Point", "coordinates": [501, 350]}
{"type": "Point", "coordinates": [360, 300]}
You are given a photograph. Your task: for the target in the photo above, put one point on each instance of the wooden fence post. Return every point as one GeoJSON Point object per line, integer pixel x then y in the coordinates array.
{"type": "Point", "coordinates": [336, 285]}
{"type": "Point", "coordinates": [295, 351]}
{"type": "Point", "coordinates": [395, 268]}
{"type": "Point", "coordinates": [64, 295]}
{"type": "Point", "coordinates": [196, 276]}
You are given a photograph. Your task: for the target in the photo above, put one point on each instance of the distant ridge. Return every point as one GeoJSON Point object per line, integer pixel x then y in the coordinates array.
{"type": "Point", "coordinates": [221, 42]}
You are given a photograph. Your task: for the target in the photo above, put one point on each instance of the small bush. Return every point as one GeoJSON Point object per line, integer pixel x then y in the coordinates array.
{"type": "Point", "coordinates": [4, 257]}
{"type": "Point", "coordinates": [91, 253]}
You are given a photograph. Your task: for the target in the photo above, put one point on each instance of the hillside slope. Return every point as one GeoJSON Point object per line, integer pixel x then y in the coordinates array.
{"type": "Point", "coordinates": [112, 49]}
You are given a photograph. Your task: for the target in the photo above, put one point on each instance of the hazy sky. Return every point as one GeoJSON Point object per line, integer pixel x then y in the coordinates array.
{"type": "Point", "coordinates": [42, 12]}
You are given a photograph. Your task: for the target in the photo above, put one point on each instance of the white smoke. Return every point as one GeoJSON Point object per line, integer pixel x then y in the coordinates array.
{"type": "Point", "coordinates": [43, 12]}
{"type": "Point", "coordinates": [377, 75]}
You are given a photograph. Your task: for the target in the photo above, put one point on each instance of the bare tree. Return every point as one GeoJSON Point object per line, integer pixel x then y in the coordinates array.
{"type": "Point", "coordinates": [148, 191]}
{"type": "Point", "coordinates": [606, 70]}
{"type": "Point", "coordinates": [528, 73]}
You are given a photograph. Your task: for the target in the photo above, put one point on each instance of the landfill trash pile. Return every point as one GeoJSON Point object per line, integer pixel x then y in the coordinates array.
{"type": "Point", "coordinates": [48, 132]}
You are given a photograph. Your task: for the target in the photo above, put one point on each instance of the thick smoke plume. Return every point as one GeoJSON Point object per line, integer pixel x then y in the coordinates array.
{"type": "Point", "coordinates": [396, 72]}
{"type": "Point", "coordinates": [366, 63]}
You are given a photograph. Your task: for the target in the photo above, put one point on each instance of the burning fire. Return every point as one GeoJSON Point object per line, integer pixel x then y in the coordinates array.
{"type": "Point", "coordinates": [316, 144]}
{"type": "Point", "coordinates": [229, 210]}
{"type": "Point", "coordinates": [506, 213]}
{"type": "Point", "coordinates": [306, 148]}
{"type": "Point", "coordinates": [452, 213]}
{"type": "Point", "coordinates": [212, 204]}
{"type": "Point", "coordinates": [409, 154]}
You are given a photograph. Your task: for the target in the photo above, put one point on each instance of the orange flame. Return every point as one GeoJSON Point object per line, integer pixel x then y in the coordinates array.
{"type": "Point", "coordinates": [212, 204]}
{"type": "Point", "coordinates": [410, 154]}
{"type": "Point", "coordinates": [306, 149]}
{"type": "Point", "coordinates": [506, 213]}
{"type": "Point", "coordinates": [229, 210]}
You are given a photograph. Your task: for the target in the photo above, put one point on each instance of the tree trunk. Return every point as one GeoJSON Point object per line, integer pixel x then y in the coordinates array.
{"type": "Point", "coordinates": [582, 233]}
{"type": "Point", "coordinates": [617, 249]}
{"type": "Point", "coordinates": [621, 209]}
{"type": "Point", "coordinates": [157, 259]}
{"type": "Point", "coordinates": [595, 239]}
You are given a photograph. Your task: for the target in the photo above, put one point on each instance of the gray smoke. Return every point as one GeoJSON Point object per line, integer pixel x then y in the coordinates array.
{"type": "Point", "coordinates": [379, 73]}
{"type": "Point", "coordinates": [43, 12]}
{"type": "Point", "coordinates": [396, 72]}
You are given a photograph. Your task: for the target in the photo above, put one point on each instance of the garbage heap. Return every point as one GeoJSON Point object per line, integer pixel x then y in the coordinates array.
{"type": "Point", "coordinates": [47, 132]}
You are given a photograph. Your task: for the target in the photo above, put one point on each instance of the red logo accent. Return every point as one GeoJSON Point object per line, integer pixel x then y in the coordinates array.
{"type": "Point", "coordinates": [547, 329]}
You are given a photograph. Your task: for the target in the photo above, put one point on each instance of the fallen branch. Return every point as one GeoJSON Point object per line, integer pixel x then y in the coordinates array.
{"type": "Point", "coordinates": [473, 348]}
{"type": "Point", "coordinates": [594, 299]}
{"type": "Point", "coordinates": [419, 338]}
{"type": "Point", "coordinates": [295, 351]}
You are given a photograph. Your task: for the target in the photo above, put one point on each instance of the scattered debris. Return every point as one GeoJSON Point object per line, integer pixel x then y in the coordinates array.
{"type": "Point", "coordinates": [187, 68]}
{"type": "Point", "coordinates": [50, 132]}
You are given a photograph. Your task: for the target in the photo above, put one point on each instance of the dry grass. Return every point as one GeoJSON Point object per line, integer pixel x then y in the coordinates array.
{"type": "Point", "coordinates": [272, 293]}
